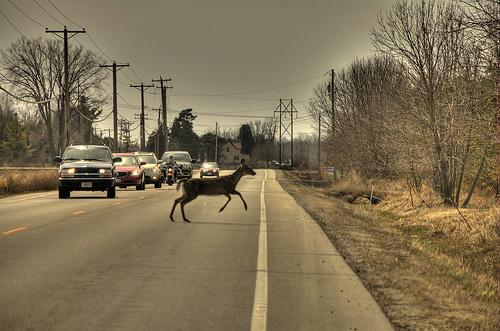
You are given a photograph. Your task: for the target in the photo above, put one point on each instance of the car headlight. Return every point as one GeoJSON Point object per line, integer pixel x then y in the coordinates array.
{"type": "Point", "coordinates": [135, 173]}
{"type": "Point", "coordinates": [105, 172]}
{"type": "Point", "coordinates": [67, 172]}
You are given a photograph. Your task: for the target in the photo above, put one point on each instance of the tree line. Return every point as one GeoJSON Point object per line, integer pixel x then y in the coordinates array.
{"type": "Point", "coordinates": [424, 107]}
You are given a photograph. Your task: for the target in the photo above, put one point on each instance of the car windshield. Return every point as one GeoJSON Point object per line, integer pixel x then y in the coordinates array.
{"type": "Point", "coordinates": [128, 161]}
{"type": "Point", "coordinates": [209, 165]}
{"type": "Point", "coordinates": [182, 157]}
{"type": "Point", "coordinates": [149, 159]}
{"type": "Point", "coordinates": [89, 154]}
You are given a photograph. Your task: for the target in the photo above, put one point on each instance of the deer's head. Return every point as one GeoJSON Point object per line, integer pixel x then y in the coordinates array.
{"type": "Point", "coordinates": [245, 169]}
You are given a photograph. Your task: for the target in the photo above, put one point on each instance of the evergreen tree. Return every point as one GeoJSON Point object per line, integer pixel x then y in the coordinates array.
{"type": "Point", "coordinates": [246, 137]}
{"type": "Point", "coordinates": [182, 136]}
{"type": "Point", "coordinates": [14, 144]}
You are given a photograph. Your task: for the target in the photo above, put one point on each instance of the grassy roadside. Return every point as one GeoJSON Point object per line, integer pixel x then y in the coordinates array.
{"type": "Point", "coordinates": [14, 181]}
{"type": "Point", "coordinates": [423, 265]}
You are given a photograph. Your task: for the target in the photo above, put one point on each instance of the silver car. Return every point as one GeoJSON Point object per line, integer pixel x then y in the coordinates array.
{"type": "Point", "coordinates": [152, 172]}
{"type": "Point", "coordinates": [183, 160]}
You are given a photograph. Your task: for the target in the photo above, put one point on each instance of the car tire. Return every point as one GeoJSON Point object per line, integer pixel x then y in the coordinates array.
{"type": "Point", "coordinates": [141, 186]}
{"type": "Point", "coordinates": [111, 193]}
{"type": "Point", "coordinates": [64, 193]}
{"type": "Point", "coordinates": [158, 184]}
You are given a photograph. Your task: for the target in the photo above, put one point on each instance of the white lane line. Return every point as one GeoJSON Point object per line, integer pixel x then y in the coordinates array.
{"type": "Point", "coordinates": [259, 312]}
{"type": "Point", "coordinates": [29, 198]}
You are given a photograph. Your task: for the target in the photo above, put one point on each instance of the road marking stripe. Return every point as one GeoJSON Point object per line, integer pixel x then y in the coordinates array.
{"type": "Point", "coordinates": [24, 199]}
{"type": "Point", "coordinates": [78, 212]}
{"type": "Point", "coordinates": [259, 312]}
{"type": "Point", "coordinates": [15, 230]}
{"type": "Point", "coordinates": [117, 203]}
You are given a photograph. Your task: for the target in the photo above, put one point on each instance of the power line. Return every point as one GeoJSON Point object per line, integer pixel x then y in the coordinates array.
{"type": "Point", "coordinates": [222, 96]}
{"type": "Point", "coordinates": [66, 17]}
{"type": "Point", "coordinates": [25, 14]}
{"type": "Point", "coordinates": [98, 48]}
{"type": "Point", "coordinates": [130, 79]}
{"type": "Point", "coordinates": [51, 16]}
{"type": "Point", "coordinates": [13, 25]}
{"type": "Point", "coordinates": [125, 100]}
{"type": "Point", "coordinates": [135, 74]}
{"type": "Point", "coordinates": [261, 90]}
{"type": "Point", "coordinates": [23, 100]}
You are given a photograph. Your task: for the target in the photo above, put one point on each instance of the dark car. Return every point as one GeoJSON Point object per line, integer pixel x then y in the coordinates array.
{"type": "Point", "coordinates": [129, 172]}
{"type": "Point", "coordinates": [183, 160]}
{"type": "Point", "coordinates": [87, 168]}
{"type": "Point", "coordinates": [209, 169]}
{"type": "Point", "coordinates": [152, 172]}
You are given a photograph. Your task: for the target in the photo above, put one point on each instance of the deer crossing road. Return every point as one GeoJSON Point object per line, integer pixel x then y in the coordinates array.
{"type": "Point", "coordinates": [95, 263]}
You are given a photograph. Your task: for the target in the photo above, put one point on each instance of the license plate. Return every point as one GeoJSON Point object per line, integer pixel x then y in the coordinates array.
{"type": "Point", "coordinates": [118, 180]}
{"type": "Point", "coordinates": [87, 184]}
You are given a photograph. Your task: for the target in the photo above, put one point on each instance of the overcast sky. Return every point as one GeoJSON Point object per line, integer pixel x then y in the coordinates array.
{"type": "Point", "coordinates": [214, 48]}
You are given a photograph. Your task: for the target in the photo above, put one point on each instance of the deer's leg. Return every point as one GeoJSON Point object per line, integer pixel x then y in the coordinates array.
{"type": "Point", "coordinates": [228, 199]}
{"type": "Point", "coordinates": [173, 208]}
{"type": "Point", "coordinates": [183, 202]}
{"type": "Point", "coordinates": [244, 202]}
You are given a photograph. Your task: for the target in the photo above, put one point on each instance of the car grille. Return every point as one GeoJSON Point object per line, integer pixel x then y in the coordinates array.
{"type": "Point", "coordinates": [86, 170]}
{"type": "Point", "coordinates": [122, 173]}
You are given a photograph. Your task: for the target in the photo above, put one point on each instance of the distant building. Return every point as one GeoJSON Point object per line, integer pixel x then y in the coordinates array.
{"type": "Point", "coordinates": [230, 153]}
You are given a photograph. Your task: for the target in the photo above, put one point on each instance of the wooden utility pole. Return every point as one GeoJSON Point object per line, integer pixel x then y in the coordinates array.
{"type": "Point", "coordinates": [115, 67]}
{"type": "Point", "coordinates": [164, 108]}
{"type": "Point", "coordinates": [142, 88]}
{"type": "Point", "coordinates": [332, 98]}
{"type": "Point", "coordinates": [66, 35]}
{"type": "Point", "coordinates": [157, 134]}
{"type": "Point", "coordinates": [216, 143]}
{"type": "Point", "coordinates": [319, 142]}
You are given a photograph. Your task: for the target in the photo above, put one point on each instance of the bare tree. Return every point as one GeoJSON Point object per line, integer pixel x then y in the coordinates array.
{"type": "Point", "coordinates": [34, 69]}
{"type": "Point", "coordinates": [484, 17]}
{"type": "Point", "coordinates": [423, 36]}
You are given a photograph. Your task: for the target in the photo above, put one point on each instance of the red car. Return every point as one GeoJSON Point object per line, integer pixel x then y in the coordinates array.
{"type": "Point", "coordinates": [129, 172]}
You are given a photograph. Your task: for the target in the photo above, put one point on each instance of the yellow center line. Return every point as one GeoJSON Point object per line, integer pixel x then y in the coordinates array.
{"type": "Point", "coordinates": [79, 212]}
{"type": "Point", "coordinates": [15, 230]}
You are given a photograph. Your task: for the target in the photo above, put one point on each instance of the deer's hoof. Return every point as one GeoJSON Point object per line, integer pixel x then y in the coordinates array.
{"type": "Point", "coordinates": [186, 220]}
{"type": "Point", "coordinates": [172, 220]}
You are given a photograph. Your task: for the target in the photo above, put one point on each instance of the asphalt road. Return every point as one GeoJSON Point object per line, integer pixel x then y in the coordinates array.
{"type": "Point", "coordinates": [95, 263]}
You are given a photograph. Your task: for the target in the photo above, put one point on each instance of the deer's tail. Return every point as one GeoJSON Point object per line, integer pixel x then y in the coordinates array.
{"type": "Point", "coordinates": [179, 182]}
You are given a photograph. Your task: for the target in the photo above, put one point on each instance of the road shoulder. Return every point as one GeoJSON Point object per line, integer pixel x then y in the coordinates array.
{"type": "Point", "coordinates": [311, 286]}
{"type": "Point", "coordinates": [417, 287]}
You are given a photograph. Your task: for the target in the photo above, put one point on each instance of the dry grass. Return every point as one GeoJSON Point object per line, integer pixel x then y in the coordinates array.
{"type": "Point", "coordinates": [20, 181]}
{"type": "Point", "coordinates": [425, 266]}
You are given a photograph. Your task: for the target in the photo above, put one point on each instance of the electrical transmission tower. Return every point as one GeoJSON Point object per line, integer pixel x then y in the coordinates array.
{"type": "Point", "coordinates": [142, 88]}
{"type": "Point", "coordinates": [115, 67]}
{"type": "Point", "coordinates": [286, 112]}
{"type": "Point", "coordinates": [125, 134]}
